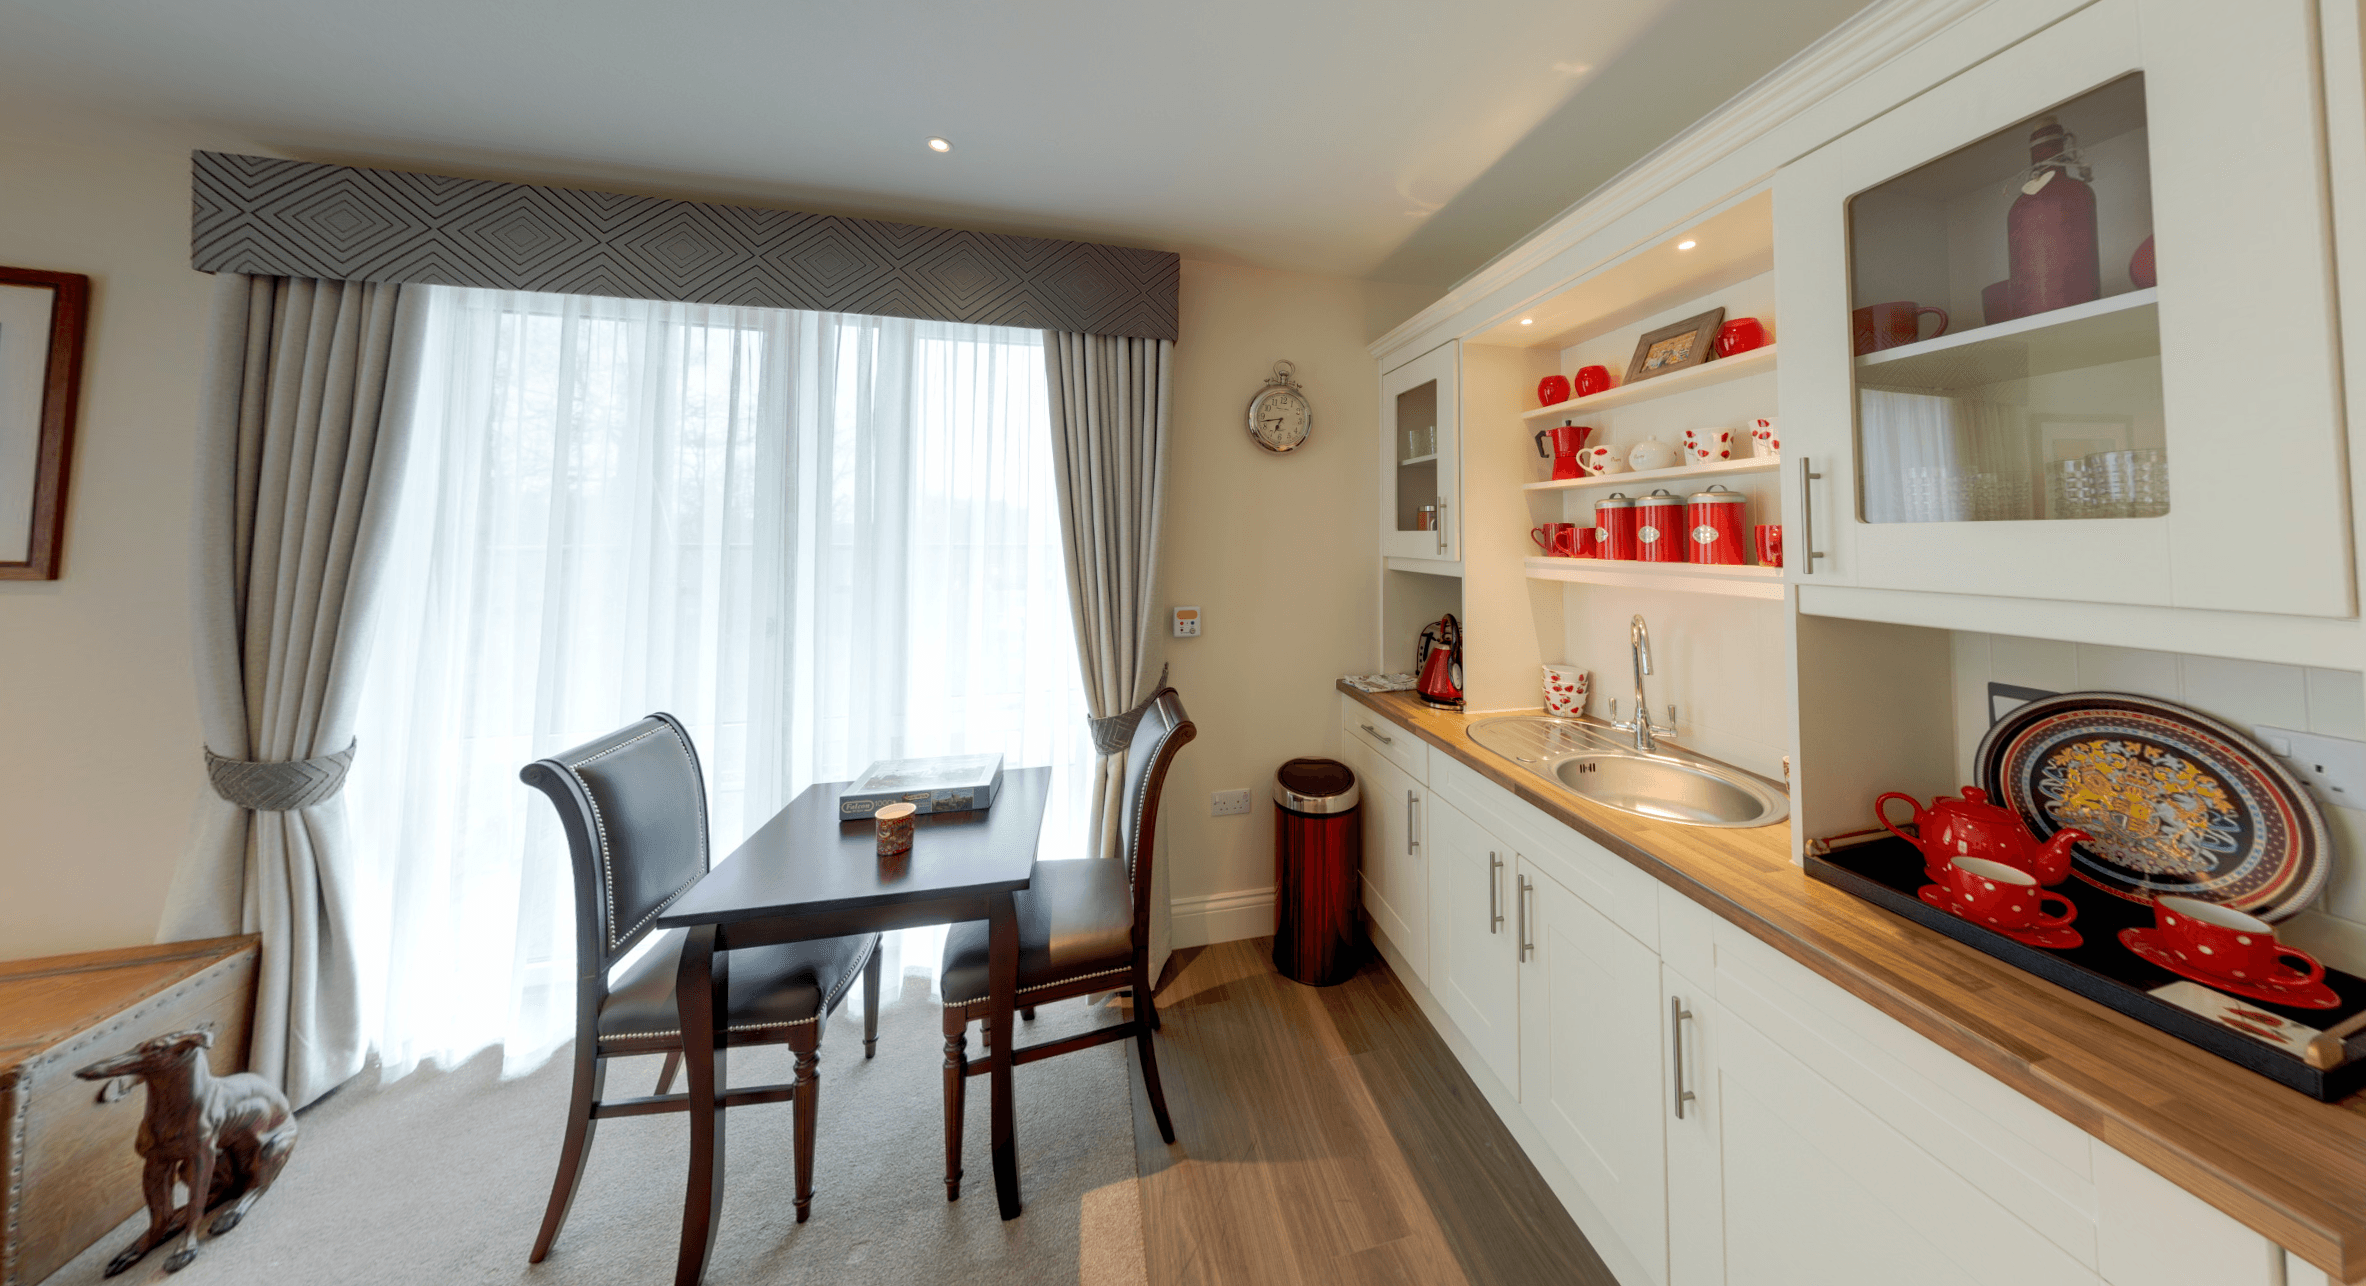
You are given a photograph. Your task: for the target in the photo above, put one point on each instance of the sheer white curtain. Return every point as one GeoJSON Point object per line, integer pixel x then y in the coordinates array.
{"type": "Point", "coordinates": [819, 539]}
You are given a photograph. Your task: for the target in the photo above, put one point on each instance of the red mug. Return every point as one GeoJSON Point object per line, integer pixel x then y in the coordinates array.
{"type": "Point", "coordinates": [2220, 940]}
{"type": "Point", "coordinates": [1592, 380]}
{"type": "Point", "coordinates": [1879, 326]}
{"type": "Point", "coordinates": [1556, 539]}
{"type": "Point", "coordinates": [1586, 545]}
{"type": "Point", "coordinates": [1740, 336]}
{"type": "Point", "coordinates": [1769, 539]}
{"type": "Point", "coordinates": [2003, 897]}
{"type": "Point", "coordinates": [1551, 389]}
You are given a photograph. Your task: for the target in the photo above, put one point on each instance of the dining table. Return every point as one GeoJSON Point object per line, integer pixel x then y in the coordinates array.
{"type": "Point", "coordinates": [813, 872]}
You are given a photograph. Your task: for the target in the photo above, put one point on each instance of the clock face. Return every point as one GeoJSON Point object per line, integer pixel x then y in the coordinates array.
{"type": "Point", "coordinates": [1279, 418]}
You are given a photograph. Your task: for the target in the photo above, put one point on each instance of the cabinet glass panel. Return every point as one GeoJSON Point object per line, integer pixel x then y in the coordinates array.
{"type": "Point", "coordinates": [1417, 458]}
{"type": "Point", "coordinates": [2008, 355]}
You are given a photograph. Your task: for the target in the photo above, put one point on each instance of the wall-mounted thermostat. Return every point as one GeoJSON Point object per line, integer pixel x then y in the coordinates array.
{"type": "Point", "coordinates": [1186, 622]}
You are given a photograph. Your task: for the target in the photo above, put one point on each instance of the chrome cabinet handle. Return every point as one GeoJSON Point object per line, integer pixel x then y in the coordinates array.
{"type": "Point", "coordinates": [1526, 890]}
{"type": "Point", "coordinates": [1494, 892]}
{"type": "Point", "coordinates": [1441, 526]}
{"type": "Point", "coordinates": [1412, 838]}
{"type": "Point", "coordinates": [1385, 739]}
{"type": "Point", "coordinates": [1678, 1015]}
{"type": "Point", "coordinates": [1807, 517]}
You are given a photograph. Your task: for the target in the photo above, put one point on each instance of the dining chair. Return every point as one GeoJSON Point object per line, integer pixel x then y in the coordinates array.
{"type": "Point", "coordinates": [633, 804]}
{"type": "Point", "coordinates": [1084, 927]}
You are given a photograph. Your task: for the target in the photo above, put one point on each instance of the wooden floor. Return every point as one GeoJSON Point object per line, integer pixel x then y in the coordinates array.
{"type": "Point", "coordinates": [1328, 1135]}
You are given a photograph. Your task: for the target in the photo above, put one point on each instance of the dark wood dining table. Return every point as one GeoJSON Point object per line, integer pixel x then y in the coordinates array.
{"type": "Point", "coordinates": [807, 874]}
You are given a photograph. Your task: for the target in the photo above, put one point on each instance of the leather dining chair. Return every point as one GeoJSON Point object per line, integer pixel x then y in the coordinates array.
{"type": "Point", "coordinates": [1084, 927]}
{"type": "Point", "coordinates": [633, 804]}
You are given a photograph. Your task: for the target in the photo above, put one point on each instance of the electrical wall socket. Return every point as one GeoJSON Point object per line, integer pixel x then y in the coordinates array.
{"type": "Point", "coordinates": [1229, 803]}
{"type": "Point", "coordinates": [2333, 768]}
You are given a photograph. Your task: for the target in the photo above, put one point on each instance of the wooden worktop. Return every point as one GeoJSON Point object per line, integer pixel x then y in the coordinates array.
{"type": "Point", "coordinates": [2287, 1166]}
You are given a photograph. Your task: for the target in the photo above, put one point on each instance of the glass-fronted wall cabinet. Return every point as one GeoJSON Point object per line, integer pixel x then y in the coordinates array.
{"type": "Point", "coordinates": [2069, 313]}
{"type": "Point", "coordinates": [1420, 458]}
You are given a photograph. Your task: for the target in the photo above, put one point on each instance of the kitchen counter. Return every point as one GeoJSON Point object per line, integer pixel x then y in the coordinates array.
{"type": "Point", "coordinates": [2288, 1167]}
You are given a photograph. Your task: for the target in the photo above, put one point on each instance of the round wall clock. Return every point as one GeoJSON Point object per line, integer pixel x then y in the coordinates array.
{"type": "Point", "coordinates": [1279, 415]}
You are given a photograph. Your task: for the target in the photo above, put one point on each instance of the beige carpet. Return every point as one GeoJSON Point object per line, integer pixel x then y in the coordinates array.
{"type": "Point", "coordinates": [441, 1178]}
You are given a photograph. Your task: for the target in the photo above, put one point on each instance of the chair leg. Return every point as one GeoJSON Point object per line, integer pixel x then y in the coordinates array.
{"type": "Point", "coordinates": [805, 1041]}
{"type": "Point", "coordinates": [665, 1074]}
{"type": "Point", "coordinates": [1146, 1023]}
{"type": "Point", "coordinates": [591, 1077]}
{"type": "Point", "coordinates": [956, 1091]}
{"type": "Point", "coordinates": [871, 1003]}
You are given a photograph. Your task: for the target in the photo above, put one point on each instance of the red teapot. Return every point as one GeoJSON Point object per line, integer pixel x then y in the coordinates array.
{"type": "Point", "coordinates": [1972, 827]}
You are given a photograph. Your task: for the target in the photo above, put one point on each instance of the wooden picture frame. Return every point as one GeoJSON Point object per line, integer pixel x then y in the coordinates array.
{"type": "Point", "coordinates": [1673, 348]}
{"type": "Point", "coordinates": [43, 320]}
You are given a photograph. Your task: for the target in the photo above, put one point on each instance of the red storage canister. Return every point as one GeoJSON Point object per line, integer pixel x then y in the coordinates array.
{"type": "Point", "coordinates": [1614, 526]}
{"type": "Point", "coordinates": [1659, 527]}
{"type": "Point", "coordinates": [1715, 519]}
{"type": "Point", "coordinates": [1318, 843]}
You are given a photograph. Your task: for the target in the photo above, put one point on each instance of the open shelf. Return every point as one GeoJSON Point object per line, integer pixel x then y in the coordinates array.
{"type": "Point", "coordinates": [2118, 328]}
{"type": "Point", "coordinates": [1713, 469]}
{"type": "Point", "coordinates": [1758, 361]}
{"type": "Point", "coordinates": [1695, 578]}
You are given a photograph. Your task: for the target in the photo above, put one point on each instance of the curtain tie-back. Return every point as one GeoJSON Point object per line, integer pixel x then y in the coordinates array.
{"type": "Point", "coordinates": [279, 787]}
{"type": "Point", "coordinates": [1114, 733]}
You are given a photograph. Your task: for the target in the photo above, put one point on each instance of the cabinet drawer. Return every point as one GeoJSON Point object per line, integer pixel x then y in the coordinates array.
{"type": "Point", "coordinates": [1617, 888]}
{"type": "Point", "coordinates": [1392, 741]}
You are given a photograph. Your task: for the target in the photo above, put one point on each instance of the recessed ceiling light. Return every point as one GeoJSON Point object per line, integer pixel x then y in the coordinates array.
{"type": "Point", "coordinates": [939, 145]}
{"type": "Point", "coordinates": [1528, 321]}
{"type": "Point", "coordinates": [1681, 245]}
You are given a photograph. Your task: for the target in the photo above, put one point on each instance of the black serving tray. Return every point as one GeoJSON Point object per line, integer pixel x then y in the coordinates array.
{"type": "Point", "coordinates": [1888, 873]}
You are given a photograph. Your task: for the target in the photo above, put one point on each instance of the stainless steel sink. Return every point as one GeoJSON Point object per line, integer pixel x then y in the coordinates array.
{"type": "Point", "coordinates": [1671, 784]}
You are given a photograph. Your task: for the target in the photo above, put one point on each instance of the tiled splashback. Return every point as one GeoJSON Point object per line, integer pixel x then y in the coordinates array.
{"type": "Point", "coordinates": [2240, 693]}
{"type": "Point", "coordinates": [1719, 659]}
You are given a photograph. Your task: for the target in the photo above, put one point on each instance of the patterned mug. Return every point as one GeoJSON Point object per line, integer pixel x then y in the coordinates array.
{"type": "Point", "coordinates": [1603, 460]}
{"type": "Point", "coordinates": [1565, 689]}
{"type": "Point", "coordinates": [1704, 445]}
{"type": "Point", "coordinates": [1765, 438]}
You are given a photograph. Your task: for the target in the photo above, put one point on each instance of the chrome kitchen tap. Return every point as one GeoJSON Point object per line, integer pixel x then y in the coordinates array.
{"type": "Point", "coordinates": [1639, 641]}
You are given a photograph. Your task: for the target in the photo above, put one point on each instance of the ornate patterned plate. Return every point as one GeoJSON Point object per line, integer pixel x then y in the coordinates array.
{"type": "Point", "coordinates": [2176, 801]}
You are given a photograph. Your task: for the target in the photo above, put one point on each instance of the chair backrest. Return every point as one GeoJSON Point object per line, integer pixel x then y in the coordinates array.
{"type": "Point", "coordinates": [634, 806]}
{"type": "Point", "coordinates": [1163, 731]}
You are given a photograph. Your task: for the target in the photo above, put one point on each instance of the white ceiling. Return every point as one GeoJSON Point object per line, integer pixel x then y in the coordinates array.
{"type": "Point", "coordinates": [1394, 139]}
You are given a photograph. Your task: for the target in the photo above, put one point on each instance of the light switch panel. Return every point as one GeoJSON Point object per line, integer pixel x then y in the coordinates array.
{"type": "Point", "coordinates": [2333, 768]}
{"type": "Point", "coordinates": [1186, 622]}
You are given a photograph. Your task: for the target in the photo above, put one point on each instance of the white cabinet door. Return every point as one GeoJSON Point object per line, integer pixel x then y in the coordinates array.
{"type": "Point", "coordinates": [1696, 1196]}
{"type": "Point", "coordinates": [1813, 1189]}
{"type": "Point", "coordinates": [2084, 447]}
{"type": "Point", "coordinates": [1590, 1066]}
{"type": "Point", "coordinates": [1474, 957]}
{"type": "Point", "coordinates": [1421, 457]}
{"type": "Point", "coordinates": [1396, 878]}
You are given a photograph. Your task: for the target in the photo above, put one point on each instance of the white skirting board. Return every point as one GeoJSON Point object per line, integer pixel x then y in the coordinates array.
{"type": "Point", "coordinates": [1220, 917]}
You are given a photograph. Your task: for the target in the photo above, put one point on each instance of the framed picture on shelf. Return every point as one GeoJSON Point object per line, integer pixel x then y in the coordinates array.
{"type": "Point", "coordinates": [42, 319]}
{"type": "Point", "coordinates": [1672, 348]}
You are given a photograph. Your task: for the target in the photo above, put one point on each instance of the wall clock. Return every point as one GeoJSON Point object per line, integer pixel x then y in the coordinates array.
{"type": "Point", "coordinates": [1279, 415]}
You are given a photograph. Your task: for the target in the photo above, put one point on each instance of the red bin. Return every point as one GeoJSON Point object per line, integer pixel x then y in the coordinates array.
{"type": "Point", "coordinates": [1318, 844]}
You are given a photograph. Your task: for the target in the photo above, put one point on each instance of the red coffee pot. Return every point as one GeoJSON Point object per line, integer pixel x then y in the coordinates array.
{"type": "Point", "coordinates": [1972, 827]}
{"type": "Point", "coordinates": [1439, 659]}
{"type": "Point", "coordinates": [1568, 440]}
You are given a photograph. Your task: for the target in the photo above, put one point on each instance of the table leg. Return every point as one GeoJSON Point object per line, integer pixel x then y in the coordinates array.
{"type": "Point", "coordinates": [1002, 982]}
{"type": "Point", "coordinates": [699, 991]}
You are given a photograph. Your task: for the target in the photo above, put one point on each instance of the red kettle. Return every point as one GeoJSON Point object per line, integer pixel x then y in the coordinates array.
{"type": "Point", "coordinates": [1568, 440]}
{"type": "Point", "coordinates": [1972, 827]}
{"type": "Point", "coordinates": [1439, 660]}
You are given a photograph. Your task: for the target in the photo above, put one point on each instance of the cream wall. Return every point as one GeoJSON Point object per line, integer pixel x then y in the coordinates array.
{"type": "Point", "coordinates": [98, 722]}
{"type": "Point", "coordinates": [1276, 551]}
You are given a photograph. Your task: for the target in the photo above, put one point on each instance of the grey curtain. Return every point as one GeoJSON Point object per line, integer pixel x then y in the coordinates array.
{"type": "Point", "coordinates": [302, 429]}
{"type": "Point", "coordinates": [1109, 403]}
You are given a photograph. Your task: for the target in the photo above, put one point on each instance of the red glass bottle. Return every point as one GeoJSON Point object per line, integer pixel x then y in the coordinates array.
{"type": "Point", "coordinates": [2050, 231]}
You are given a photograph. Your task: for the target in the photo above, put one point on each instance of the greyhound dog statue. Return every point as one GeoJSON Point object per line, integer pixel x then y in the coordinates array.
{"type": "Point", "coordinates": [224, 1137]}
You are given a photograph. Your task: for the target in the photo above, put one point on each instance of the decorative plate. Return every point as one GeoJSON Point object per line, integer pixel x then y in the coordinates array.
{"type": "Point", "coordinates": [2295, 988]}
{"type": "Point", "coordinates": [2176, 802]}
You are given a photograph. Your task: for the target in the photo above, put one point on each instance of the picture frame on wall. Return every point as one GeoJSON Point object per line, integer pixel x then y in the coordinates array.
{"type": "Point", "coordinates": [1673, 348]}
{"type": "Point", "coordinates": [43, 318]}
